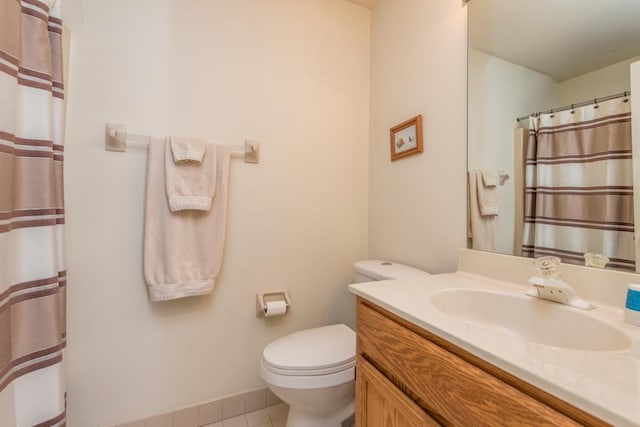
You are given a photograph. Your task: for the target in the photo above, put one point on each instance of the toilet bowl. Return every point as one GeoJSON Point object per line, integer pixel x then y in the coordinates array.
{"type": "Point", "coordinates": [313, 370]}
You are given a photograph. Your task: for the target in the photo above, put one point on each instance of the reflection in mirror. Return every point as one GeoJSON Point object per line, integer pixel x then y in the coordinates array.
{"type": "Point", "coordinates": [550, 108]}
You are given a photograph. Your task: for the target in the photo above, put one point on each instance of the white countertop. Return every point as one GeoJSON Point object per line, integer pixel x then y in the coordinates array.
{"type": "Point", "coordinates": [603, 383]}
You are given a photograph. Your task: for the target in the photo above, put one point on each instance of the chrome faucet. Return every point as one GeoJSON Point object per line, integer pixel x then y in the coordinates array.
{"type": "Point", "coordinates": [550, 285]}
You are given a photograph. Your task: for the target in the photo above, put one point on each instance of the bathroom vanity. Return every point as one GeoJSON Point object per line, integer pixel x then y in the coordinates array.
{"type": "Point", "coordinates": [418, 364]}
{"type": "Point", "coordinates": [447, 385]}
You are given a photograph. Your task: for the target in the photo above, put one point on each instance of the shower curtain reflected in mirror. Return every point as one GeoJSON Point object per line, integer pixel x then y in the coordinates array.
{"type": "Point", "coordinates": [579, 185]}
{"type": "Point", "coordinates": [32, 274]}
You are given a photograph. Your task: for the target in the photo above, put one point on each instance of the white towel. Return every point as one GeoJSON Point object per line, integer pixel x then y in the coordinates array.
{"type": "Point", "coordinates": [489, 179]}
{"type": "Point", "coordinates": [480, 228]}
{"type": "Point", "coordinates": [187, 149]}
{"type": "Point", "coordinates": [488, 192]}
{"type": "Point", "coordinates": [190, 185]}
{"type": "Point", "coordinates": [183, 250]}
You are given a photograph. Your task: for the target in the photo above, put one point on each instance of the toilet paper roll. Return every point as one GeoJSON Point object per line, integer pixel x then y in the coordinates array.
{"type": "Point", "coordinates": [275, 308]}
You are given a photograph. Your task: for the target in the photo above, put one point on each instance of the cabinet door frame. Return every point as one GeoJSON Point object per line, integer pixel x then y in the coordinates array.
{"type": "Point", "coordinates": [397, 410]}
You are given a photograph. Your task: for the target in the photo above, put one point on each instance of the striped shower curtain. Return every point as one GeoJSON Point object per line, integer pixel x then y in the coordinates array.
{"type": "Point", "coordinates": [579, 185]}
{"type": "Point", "coordinates": [32, 274]}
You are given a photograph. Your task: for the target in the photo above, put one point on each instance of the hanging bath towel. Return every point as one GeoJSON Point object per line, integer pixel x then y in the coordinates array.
{"type": "Point", "coordinates": [183, 250]}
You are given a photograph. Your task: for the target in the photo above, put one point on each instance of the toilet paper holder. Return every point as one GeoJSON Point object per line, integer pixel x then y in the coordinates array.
{"type": "Point", "coordinates": [262, 298]}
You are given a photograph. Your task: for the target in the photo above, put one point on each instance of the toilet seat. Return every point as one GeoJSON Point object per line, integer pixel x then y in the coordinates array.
{"type": "Point", "coordinates": [313, 351]}
{"type": "Point", "coordinates": [307, 381]}
{"type": "Point", "coordinates": [313, 358]}
{"type": "Point", "coordinates": [309, 372]}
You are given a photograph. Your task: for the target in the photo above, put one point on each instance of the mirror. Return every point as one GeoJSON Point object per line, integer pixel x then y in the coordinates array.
{"type": "Point", "coordinates": [527, 57]}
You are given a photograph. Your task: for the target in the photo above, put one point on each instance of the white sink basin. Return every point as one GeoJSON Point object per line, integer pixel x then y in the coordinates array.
{"type": "Point", "coordinates": [531, 319]}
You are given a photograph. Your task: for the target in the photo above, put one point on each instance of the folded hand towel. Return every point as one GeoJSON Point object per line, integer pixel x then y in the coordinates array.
{"type": "Point", "coordinates": [487, 192]}
{"type": "Point", "coordinates": [190, 185]}
{"type": "Point", "coordinates": [481, 229]}
{"type": "Point", "coordinates": [186, 149]}
{"type": "Point", "coordinates": [489, 179]}
{"type": "Point", "coordinates": [183, 250]}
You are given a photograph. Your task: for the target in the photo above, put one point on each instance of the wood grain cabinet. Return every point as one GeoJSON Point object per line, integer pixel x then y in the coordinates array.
{"type": "Point", "coordinates": [407, 376]}
{"type": "Point", "coordinates": [380, 403]}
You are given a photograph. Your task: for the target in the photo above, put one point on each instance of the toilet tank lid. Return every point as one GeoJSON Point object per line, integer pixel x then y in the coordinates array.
{"type": "Point", "coordinates": [383, 270]}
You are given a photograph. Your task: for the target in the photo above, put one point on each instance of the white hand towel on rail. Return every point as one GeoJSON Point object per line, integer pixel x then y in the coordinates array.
{"type": "Point", "coordinates": [183, 250]}
{"type": "Point", "coordinates": [488, 192]}
{"type": "Point", "coordinates": [190, 184]}
{"type": "Point", "coordinates": [481, 228]}
{"type": "Point", "coordinates": [187, 149]}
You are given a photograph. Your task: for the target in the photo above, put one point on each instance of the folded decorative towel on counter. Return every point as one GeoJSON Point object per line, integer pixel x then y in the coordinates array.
{"type": "Point", "coordinates": [183, 250]}
{"type": "Point", "coordinates": [187, 149]}
{"type": "Point", "coordinates": [190, 185]}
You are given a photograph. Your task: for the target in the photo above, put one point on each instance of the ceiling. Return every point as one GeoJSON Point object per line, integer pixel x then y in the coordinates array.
{"type": "Point", "coordinates": [560, 38]}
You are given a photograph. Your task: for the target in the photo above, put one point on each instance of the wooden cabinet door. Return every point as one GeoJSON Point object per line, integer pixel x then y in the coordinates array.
{"type": "Point", "coordinates": [379, 403]}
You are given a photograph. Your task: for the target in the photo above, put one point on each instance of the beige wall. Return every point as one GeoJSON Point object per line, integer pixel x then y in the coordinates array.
{"type": "Point", "coordinates": [417, 205]}
{"type": "Point", "coordinates": [600, 83]}
{"type": "Point", "coordinates": [291, 74]}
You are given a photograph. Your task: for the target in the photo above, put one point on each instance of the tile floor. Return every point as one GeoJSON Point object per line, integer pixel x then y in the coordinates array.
{"type": "Point", "coordinates": [273, 416]}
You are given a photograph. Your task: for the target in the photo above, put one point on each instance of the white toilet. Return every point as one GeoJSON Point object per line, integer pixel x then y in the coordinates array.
{"type": "Point", "coordinates": [313, 371]}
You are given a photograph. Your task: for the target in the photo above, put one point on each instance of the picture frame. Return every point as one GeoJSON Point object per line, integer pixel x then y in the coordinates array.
{"type": "Point", "coordinates": [406, 138]}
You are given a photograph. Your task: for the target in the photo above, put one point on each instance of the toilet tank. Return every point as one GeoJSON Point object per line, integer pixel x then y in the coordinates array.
{"type": "Point", "coordinates": [372, 270]}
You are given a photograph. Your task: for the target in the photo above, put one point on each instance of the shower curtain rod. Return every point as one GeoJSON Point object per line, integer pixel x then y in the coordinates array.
{"type": "Point", "coordinates": [624, 94]}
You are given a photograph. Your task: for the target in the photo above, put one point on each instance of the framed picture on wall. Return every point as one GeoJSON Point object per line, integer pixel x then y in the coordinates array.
{"type": "Point", "coordinates": [406, 138]}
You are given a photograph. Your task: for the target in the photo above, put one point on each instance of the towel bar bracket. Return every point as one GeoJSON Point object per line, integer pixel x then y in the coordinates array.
{"type": "Point", "coordinates": [503, 177]}
{"type": "Point", "coordinates": [115, 138]}
{"type": "Point", "coordinates": [251, 151]}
